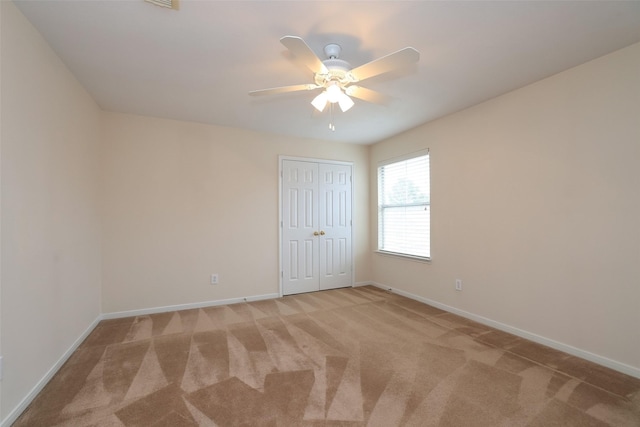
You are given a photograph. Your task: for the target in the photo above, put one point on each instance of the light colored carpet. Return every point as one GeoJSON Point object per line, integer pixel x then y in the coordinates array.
{"type": "Point", "coordinates": [348, 357]}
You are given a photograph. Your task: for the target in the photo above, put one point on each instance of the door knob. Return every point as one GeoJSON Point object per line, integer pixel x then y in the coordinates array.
{"type": "Point", "coordinates": [315, 233]}
{"type": "Point", "coordinates": [322, 233]}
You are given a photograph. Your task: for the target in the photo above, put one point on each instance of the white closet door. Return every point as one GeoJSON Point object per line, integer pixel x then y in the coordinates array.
{"type": "Point", "coordinates": [316, 250]}
{"type": "Point", "coordinates": [299, 226]}
{"type": "Point", "coordinates": [334, 204]}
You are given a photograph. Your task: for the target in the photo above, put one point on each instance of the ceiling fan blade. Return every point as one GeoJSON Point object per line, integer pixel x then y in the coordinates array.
{"type": "Point", "coordinates": [399, 59]}
{"type": "Point", "coordinates": [367, 95]}
{"type": "Point", "coordinates": [283, 89]}
{"type": "Point", "coordinates": [302, 51]}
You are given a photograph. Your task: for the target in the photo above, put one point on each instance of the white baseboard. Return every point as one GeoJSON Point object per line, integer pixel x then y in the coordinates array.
{"type": "Point", "coordinates": [595, 358]}
{"type": "Point", "coordinates": [26, 401]}
{"type": "Point", "coordinates": [154, 310]}
{"type": "Point", "coordinates": [358, 284]}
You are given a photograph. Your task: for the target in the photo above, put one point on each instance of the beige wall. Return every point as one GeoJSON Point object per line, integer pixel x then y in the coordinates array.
{"type": "Point", "coordinates": [50, 220]}
{"type": "Point", "coordinates": [185, 200]}
{"type": "Point", "coordinates": [535, 206]}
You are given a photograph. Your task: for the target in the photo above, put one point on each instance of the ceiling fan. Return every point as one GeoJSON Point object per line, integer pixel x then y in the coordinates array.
{"type": "Point", "coordinates": [337, 77]}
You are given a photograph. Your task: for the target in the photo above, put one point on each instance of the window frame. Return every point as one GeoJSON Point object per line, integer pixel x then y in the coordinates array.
{"type": "Point", "coordinates": [380, 206]}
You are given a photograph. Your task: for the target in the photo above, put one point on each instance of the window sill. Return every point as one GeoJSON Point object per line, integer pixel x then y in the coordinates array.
{"type": "Point", "coordinates": [404, 256]}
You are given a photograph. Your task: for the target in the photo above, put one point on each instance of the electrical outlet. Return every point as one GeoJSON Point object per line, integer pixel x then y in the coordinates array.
{"type": "Point", "coordinates": [214, 279]}
{"type": "Point", "coordinates": [458, 285]}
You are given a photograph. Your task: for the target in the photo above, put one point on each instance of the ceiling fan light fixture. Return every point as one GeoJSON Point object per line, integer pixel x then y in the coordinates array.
{"type": "Point", "coordinates": [345, 102]}
{"type": "Point", "coordinates": [320, 101]}
{"type": "Point", "coordinates": [334, 93]}
{"type": "Point", "coordinates": [335, 76]}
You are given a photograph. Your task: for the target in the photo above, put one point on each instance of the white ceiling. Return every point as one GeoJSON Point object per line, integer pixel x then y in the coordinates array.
{"type": "Point", "coordinates": [199, 63]}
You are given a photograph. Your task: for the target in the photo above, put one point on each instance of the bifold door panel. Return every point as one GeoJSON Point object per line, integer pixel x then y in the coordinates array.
{"type": "Point", "coordinates": [316, 226]}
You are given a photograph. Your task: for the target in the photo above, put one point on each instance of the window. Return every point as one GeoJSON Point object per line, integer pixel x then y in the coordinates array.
{"type": "Point", "coordinates": [404, 208]}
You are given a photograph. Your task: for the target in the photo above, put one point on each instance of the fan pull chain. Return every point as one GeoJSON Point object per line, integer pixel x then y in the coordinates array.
{"type": "Point", "coordinates": [331, 125]}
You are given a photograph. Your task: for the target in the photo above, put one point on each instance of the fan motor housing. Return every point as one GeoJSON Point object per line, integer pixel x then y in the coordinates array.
{"type": "Point", "coordinates": [338, 70]}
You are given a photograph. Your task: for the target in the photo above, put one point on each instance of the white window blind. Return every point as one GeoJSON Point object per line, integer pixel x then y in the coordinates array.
{"type": "Point", "coordinates": [404, 208]}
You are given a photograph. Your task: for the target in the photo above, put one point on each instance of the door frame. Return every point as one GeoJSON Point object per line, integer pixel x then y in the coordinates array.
{"type": "Point", "coordinates": [282, 158]}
